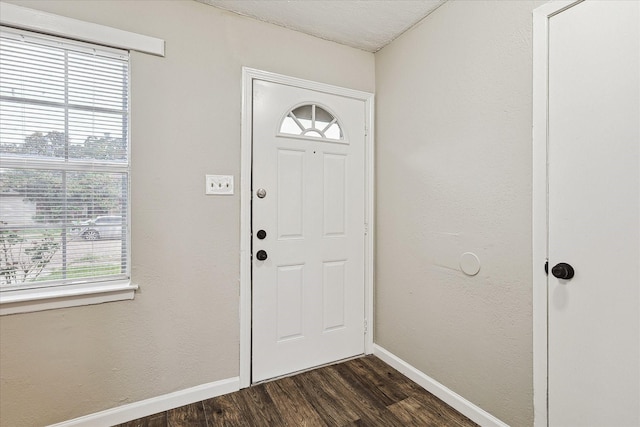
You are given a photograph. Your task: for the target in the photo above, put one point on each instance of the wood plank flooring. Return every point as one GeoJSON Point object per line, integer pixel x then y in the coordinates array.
{"type": "Point", "coordinates": [359, 392]}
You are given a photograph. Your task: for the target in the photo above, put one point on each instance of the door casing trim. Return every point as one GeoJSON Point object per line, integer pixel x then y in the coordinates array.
{"type": "Point", "coordinates": [540, 226]}
{"type": "Point", "coordinates": [248, 76]}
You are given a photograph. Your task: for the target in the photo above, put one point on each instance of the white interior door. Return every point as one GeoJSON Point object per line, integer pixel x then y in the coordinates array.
{"type": "Point", "coordinates": [593, 146]}
{"type": "Point", "coordinates": [308, 221]}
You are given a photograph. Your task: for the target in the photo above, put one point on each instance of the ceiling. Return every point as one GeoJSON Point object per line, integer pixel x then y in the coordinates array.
{"type": "Point", "coordinates": [364, 24]}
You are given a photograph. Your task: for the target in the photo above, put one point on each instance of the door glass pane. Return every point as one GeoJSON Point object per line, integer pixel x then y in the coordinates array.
{"type": "Point", "coordinates": [311, 120]}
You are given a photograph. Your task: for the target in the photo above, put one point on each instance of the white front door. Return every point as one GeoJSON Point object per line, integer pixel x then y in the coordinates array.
{"type": "Point", "coordinates": [594, 201]}
{"type": "Point", "coordinates": [308, 229]}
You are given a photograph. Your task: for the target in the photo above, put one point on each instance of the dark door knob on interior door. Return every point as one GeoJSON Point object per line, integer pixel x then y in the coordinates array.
{"type": "Point", "coordinates": [563, 271]}
{"type": "Point", "coordinates": [261, 255]}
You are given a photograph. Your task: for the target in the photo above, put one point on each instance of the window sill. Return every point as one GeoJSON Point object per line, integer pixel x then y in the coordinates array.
{"type": "Point", "coordinates": [30, 300]}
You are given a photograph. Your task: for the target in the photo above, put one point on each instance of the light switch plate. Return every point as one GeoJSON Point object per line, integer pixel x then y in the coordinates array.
{"type": "Point", "coordinates": [219, 184]}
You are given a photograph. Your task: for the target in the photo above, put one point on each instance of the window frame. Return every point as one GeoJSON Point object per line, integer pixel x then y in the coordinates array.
{"type": "Point", "coordinates": [96, 292]}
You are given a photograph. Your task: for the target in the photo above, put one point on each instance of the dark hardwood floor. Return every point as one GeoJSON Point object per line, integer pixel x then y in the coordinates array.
{"type": "Point", "coordinates": [359, 392]}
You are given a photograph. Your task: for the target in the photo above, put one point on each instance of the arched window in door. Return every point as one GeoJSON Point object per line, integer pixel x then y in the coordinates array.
{"type": "Point", "coordinates": [313, 121]}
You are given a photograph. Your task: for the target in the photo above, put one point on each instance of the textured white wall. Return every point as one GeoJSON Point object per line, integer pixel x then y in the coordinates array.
{"type": "Point", "coordinates": [453, 130]}
{"type": "Point", "coordinates": [182, 329]}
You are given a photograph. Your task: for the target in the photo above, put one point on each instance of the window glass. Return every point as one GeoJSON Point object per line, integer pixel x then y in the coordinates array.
{"type": "Point", "coordinates": [64, 163]}
{"type": "Point", "coordinates": [311, 120]}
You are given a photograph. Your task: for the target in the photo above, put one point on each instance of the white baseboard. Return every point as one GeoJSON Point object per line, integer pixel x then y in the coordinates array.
{"type": "Point", "coordinates": [451, 398]}
{"type": "Point", "coordinates": [143, 408]}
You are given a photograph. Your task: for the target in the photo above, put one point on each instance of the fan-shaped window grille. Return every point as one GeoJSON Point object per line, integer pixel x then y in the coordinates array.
{"type": "Point", "coordinates": [311, 120]}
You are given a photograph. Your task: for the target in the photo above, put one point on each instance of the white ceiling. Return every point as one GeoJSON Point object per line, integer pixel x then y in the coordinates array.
{"type": "Point", "coordinates": [364, 24]}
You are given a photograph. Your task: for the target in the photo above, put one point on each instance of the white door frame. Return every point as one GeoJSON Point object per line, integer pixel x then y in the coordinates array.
{"type": "Point", "coordinates": [248, 75]}
{"type": "Point", "coordinates": [541, 16]}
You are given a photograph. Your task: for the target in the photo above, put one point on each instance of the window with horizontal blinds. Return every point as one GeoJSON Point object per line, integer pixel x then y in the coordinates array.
{"type": "Point", "coordinates": [64, 162]}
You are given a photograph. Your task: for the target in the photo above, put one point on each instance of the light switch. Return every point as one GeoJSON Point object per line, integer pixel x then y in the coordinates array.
{"type": "Point", "coordinates": [219, 184]}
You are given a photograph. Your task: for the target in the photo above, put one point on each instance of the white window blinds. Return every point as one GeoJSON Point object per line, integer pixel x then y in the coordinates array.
{"type": "Point", "coordinates": [64, 162]}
